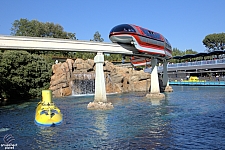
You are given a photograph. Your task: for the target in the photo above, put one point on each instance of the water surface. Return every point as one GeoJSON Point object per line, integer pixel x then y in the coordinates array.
{"type": "Point", "coordinates": [189, 118]}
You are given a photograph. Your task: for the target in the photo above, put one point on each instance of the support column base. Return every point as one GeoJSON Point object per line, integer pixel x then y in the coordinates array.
{"type": "Point", "coordinates": [156, 95]}
{"type": "Point", "coordinates": [100, 106]}
{"type": "Point", "coordinates": [168, 89]}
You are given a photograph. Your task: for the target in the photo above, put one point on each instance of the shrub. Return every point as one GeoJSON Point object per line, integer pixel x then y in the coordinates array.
{"type": "Point", "coordinates": [23, 75]}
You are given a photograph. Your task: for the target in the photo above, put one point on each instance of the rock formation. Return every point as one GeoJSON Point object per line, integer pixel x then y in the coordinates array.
{"type": "Point", "coordinates": [62, 73]}
{"type": "Point", "coordinates": [117, 79]}
{"type": "Point", "coordinates": [99, 106]}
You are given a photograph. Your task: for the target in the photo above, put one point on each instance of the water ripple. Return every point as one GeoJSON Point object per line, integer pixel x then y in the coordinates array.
{"type": "Point", "coordinates": [189, 118]}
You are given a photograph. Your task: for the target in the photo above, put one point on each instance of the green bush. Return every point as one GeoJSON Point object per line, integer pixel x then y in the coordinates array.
{"type": "Point", "coordinates": [23, 75]}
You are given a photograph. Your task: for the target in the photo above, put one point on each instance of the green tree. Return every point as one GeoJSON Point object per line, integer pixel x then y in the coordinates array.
{"type": "Point", "coordinates": [177, 52]}
{"type": "Point", "coordinates": [34, 28]}
{"type": "Point", "coordinates": [97, 37]}
{"type": "Point", "coordinates": [113, 57]}
{"type": "Point", "coordinates": [214, 42]}
{"type": "Point", "coordinates": [23, 75]}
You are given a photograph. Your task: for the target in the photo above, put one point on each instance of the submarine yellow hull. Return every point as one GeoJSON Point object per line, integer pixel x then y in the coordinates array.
{"type": "Point", "coordinates": [47, 113]}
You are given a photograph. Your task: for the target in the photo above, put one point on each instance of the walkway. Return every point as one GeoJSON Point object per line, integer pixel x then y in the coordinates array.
{"type": "Point", "coordinates": [205, 64]}
{"type": "Point", "coordinates": [200, 83]}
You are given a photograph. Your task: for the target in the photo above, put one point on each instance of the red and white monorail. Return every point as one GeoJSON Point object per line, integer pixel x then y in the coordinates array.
{"type": "Point", "coordinates": [141, 40]}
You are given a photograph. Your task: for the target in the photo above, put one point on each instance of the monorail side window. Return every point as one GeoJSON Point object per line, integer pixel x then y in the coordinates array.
{"type": "Point", "coordinates": [167, 42]}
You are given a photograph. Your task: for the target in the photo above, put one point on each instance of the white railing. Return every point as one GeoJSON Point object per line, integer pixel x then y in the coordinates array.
{"type": "Point", "coordinates": [196, 63]}
{"type": "Point", "coordinates": [189, 64]}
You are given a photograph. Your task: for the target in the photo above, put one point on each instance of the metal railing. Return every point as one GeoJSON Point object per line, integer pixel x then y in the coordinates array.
{"type": "Point", "coordinates": [196, 63]}
{"type": "Point", "coordinates": [214, 83]}
{"type": "Point", "coordinates": [189, 64]}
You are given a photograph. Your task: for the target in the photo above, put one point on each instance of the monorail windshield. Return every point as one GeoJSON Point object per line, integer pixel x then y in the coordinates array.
{"type": "Point", "coordinates": [167, 42]}
{"type": "Point", "coordinates": [123, 28]}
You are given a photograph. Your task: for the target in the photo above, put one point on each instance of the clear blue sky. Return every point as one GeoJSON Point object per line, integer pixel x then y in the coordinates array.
{"type": "Point", "coordinates": [185, 23]}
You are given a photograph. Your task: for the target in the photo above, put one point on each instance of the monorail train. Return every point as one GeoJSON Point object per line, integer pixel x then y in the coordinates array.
{"type": "Point", "coordinates": [140, 61]}
{"type": "Point", "coordinates": [144, 40]}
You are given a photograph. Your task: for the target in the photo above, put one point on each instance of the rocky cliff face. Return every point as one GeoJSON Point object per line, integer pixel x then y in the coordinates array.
{"type": "Point", "coordinates": [117, 79]}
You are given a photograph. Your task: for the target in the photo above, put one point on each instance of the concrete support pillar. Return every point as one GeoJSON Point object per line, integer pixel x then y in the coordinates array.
{"type": "Point", "coordinates": [100, 100]}
{"type": "Point", "coordinates": [165, 74]}
{"type": "Point", "coordinates": [165, 78]}
{"type": "Point", "coordinates": [100, 92]}
{"type": "Point", "coordinates": [154, 77]}
{"type": "Point", "coordinates": [155, 90]}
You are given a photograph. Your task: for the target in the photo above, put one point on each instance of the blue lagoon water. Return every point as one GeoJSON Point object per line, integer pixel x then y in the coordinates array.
{"type": "Point", "coordinates": [189, 118]}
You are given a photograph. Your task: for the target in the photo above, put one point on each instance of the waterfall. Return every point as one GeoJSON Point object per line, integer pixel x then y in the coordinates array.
{"type": "Point", "coordinates": [83, 83]}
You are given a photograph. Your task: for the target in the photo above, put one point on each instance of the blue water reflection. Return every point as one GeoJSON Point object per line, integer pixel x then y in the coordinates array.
{"type": "Point", "coordinates": [189, 118]}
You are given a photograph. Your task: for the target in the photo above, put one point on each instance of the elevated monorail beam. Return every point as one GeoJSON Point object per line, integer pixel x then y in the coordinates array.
{"type": "Point", "coordinates": [53, 44]}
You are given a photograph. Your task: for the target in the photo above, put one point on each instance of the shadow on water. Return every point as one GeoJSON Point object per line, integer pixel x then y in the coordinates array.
{"type": "Point", "coordinates": [14, 93]}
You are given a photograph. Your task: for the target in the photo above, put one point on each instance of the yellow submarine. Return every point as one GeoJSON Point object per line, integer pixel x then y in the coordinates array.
{"type": "Point", "coordinates": [193, 79]}
{"type": "Point", "coordinates": [47, 113]}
